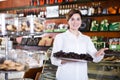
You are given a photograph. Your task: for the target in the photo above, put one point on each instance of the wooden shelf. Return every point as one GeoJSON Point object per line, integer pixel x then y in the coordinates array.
{"type": "Point", "coordinates": [104, 34]}
{"type": "Point", "coordinates": [31, 48]}
{"type": "Point", "coordinates": [86, 16]}
{"type": "Point", "coordinates": [108, 34]}
{"type": "Point", "coordinates": [25, 4]}
{"type": "Point", "coordinates": [107, 73]}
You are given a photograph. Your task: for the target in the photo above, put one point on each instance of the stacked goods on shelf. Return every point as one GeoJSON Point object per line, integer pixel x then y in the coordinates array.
{"type": "Point", "coordinates": [19, 60]}
{"type": "Point", "coordinates": [54, 27]}
{"type": "Point", "coordinates": [87, 7]}
{"type": "Point", "coordinates": [30, 41]}
{"type": "Point", "coordinates": [34, 59]}
{"type": "Point", "coordinates": [115, 26]}
{"type": "Point", "coordinates": [94, 25]}
{"type": "Point", "coordinates": [114, 44]}
{"type": "Point", "coordinates": [113, 10]}
{"type": "Point", "coordinates": [111, 55]}
{"type": "Point", "coordinates": [12, 66]}
{"type": "Point", "coordinates": [46, 41]}
{"type": "Point", "coordinates": [36, 41]}
{"type": "Point", "coordinates": [30, 24]}
{"type": "Point", "coordinates": [104, 25]}
{"type": "Point", "coordinates": [99, 42]}
{"type": "Point", "coordinates": [11, 24]}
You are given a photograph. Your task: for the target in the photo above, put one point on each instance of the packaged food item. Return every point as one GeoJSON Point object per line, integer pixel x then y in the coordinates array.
{"type": "Point", "coordinates": [104, 25]}
{"type": "Point", "coordinates": [112, 10]}
{"type": "Point", "coordinates": [115, 26]}
{"type": "Point", "coordinates": [30, 25]}
{"type": "Point", "coordinates": [46, 41]}
{"type": "Point", "coordinates": [24, 25]}
{"type": "Point", "coordinates": [8, 23]}
{"type": "Point", "coordinates": [38, 25]}
{"type": "Point", "coordinates": [94, 26]}
{"type": "Point", "coordinates": [24, 59]}
{"type": "Point", "coordinates": [12, 65]}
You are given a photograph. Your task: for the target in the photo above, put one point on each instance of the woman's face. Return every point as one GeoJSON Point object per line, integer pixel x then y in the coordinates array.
{"type": "Point", "coordinates": [75, 21]}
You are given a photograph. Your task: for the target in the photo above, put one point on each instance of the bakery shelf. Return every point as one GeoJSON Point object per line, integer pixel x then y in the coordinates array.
{"type": "Point", "coordinates": [105, 73]}
{"type": "Point", "coordinates": [102, 77]}
{"type": "Point", "coordinates": [100, 15]}
{"type": "Point", "coordinates": [31, 48]}
{"type": "Point", "coordinates": [105, 34]}
{"type": "Point", "coordinates": [30, 7]}
{"type": "Point", "coordinates": [62, 3]}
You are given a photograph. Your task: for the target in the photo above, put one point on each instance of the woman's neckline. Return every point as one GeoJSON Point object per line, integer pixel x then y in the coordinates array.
{"type": "Point", "coordinates": [75, 32]}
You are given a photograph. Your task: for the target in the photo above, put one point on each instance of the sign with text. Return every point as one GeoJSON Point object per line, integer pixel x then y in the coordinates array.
{"type": "Point", "coordinates": [52, 11]}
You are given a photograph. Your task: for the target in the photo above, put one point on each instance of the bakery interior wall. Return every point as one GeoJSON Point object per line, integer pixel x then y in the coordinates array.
{"type": "Point", "coordinates": [14, 3]}
{"type": "Point", "coordinates": [21, 3]}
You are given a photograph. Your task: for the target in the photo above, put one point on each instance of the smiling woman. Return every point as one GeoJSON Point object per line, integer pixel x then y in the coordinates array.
{"type": "Point", "coordinates": [73, 41]}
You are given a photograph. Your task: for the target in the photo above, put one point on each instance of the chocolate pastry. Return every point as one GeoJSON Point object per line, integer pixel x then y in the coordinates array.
{"type": "Point", "coordinates": [72, 55]}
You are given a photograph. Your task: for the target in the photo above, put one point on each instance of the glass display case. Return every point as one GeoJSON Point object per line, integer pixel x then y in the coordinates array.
{"type": "Point", "coordinates": [7, 23]}
{"type": "Point", "coordinates": [108, 68]}
{"type": "Point", "coordinates": [30, 25]}
{"type": "Point", "coordinates": [104, 71]}
{"type": "Point", "coordinates": [11, 24]}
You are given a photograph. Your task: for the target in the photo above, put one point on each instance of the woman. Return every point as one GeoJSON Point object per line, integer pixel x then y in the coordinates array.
{"type": "Point", "coordinates": [74, 41]}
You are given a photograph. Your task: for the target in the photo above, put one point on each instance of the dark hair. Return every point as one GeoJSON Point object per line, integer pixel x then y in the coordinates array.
{"type": "Point", "coordinates": [71, 12]}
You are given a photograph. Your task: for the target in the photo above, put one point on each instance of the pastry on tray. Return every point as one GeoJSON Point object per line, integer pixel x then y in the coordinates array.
{"type": "Point", "coordinates": [9, 65]}
{"type": "Point", "coordinates": [72, 56]}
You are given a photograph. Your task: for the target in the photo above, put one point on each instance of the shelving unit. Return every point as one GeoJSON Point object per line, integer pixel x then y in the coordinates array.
{"type": "Point", "coordinates": [37, 6]}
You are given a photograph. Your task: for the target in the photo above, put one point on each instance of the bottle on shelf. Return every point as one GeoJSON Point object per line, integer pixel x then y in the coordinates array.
{"type": "Point", "coordinates": [60, 11]}
{"type": "Point", "coordinates": [63, 11]}
{"type": "Point", "coordinates": [90, 11]}
{"type": "Point", "coordinates": [47, 2]}
{"type": "Point", "coordinates": [42, 12]}
{"type": "Point", "coordinates": [56, 1]}
{"type": "Point", "coordinates": [99, 8]}
{"type": "Point", "coordinates": [75, 6]}
{"type": "Point", "coordinates": [38, 2]}
{"type": "Point", "coordinates": [66, 10]}
{"type": "Point", "coordinates": [84, 10]}
{"type": "Point", "coordinates": [51, 1]}
{"type": "Point", "coordinates": [60, 1]}
{"type": "Point", "coordinates": [95, 8]}
{"type": "Point", "coordinates": [42, 2]}
{"type": "Point", "coordinates": [31, 2]}
{"type": "Point", "coordinates": [35, 3]}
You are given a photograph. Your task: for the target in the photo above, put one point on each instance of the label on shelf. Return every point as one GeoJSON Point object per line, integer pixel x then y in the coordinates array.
{"type": "Point", "coordinates": [114, 47]}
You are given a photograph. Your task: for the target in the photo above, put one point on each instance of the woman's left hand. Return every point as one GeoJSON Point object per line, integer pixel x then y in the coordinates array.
{"type": "Point", "coordinates": [101, 52]}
